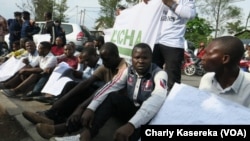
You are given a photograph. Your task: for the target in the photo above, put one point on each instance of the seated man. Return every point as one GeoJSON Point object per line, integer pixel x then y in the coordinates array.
{"type": "Point", "coordinates": [65, 106]}
{"type": "Point", "coordinates": [66, 82]}
{"type": "Point", "coordinates": [27, 62]}
{"type": "Point", "coordinates": [69, 59]}
{"type": "Point", "coordinates": [38, 75]}
{"type": "Point", "coordinates": [224, 77]}
{"type": "Point", "coordinates": [146, 90]}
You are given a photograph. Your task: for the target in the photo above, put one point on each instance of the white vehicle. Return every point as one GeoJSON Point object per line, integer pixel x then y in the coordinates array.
{"type": "Point", "coordinates": [74, 32]}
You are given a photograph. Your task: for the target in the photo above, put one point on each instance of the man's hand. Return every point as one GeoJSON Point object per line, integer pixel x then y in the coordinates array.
{"type": "Point", "coordinates": [26, 61]}
{"type": "Point", "coordinates": [23, 71]}
{"type": "Point", "coordinates": [87, 118]}
{"type": "Point", "coordinates": [47, 70]}
{"type": "Point", "coordinates": [77, 74]}
{"type": "Point", "coordinates": [74, 120]}
{"type": "Point", "coordinates": [169, 3]}
{"type": "Point", "coordinates": [123, 133]}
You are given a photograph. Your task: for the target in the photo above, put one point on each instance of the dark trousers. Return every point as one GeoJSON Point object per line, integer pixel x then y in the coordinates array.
{"type": "Point", "coordinates": [118, 105]}
{"type": "Point", "coordinates": [172, 59]}
{"type": "Point", "coordinates": [22, 83]}
{"type": "Point", "coordinates": [68, 106]}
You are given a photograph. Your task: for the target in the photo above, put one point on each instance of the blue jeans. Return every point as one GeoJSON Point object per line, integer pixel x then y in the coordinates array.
{"type": "Point", "coordinates": [40, 84]}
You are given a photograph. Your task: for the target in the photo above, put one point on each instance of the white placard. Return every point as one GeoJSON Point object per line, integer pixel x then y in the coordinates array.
{"type": "Point", "coordinates": [189, 105]}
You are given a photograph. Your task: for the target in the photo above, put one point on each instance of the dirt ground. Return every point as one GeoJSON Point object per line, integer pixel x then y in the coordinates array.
{"type": "Point", "coordinates": [10, 129]}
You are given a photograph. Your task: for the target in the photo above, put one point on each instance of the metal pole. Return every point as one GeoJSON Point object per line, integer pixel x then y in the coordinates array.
{"type": "Point", "coordinates": [247, 20]}
{"type": "Point", "coordinates": [83, 16]}
{"type": "Point", "coordinates": [76, 13]}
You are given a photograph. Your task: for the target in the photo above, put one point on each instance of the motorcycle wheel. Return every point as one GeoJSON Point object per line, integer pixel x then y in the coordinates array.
{"type": "Point", "coordinates": [190, 70]}
{"type": "Point", "coordinates": [200, 72]}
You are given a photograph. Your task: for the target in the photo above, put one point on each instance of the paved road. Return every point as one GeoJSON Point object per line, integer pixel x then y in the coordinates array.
{"type": "Point", "coordinates": [15, 108]}
{"type": "Point", "coordinates": [191, 80]}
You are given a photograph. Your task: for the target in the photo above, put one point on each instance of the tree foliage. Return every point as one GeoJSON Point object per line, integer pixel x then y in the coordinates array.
{"type": "Point", "coordinates": [219, 12]}
{"type": "Point", "coordinates": [198, 30]}
{"type": "Point", "coordinates": [107, 13]}
{"type": "Point", "coordinates": [234, 27]}
{"type": "Point", "coordinates": [38, 7]}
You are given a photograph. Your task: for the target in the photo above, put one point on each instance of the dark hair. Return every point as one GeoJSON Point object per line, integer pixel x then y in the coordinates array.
{"type": "Point", "coordinates": [48, 15]}
{"type": "Point", "coordinates": [26, 13]}
{"type": "Point", "coordinates": [17, 13]}
{"type": "Point", "coordinates": [143, 46]}
{"type": "Point", "coordinates": [100, 39]}
{"type": "Point", "coordinates": [121, 7]}
{"type": "Point", "coordinates": [46, 44]}
{"type": "Point", "coordinates": [24, 39]}
{"type": "Point", "coordinates": [17, 43]}
{"type": "Point", "coordinates": [72, 44]}
{"type": "Point", "coordinates": [111, 48]}
{"type": "Point", "coordinates": [89, 51]}
{"type": "Point", "coordinates": [58, 21]}
{"type": "Point", "coordinates": [232, 46]}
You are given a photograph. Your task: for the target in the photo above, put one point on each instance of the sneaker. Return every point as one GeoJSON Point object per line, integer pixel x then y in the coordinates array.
{"type": "Point", "coordinates": [2, 86]}
{"type": "Point", "coordinates": [36, 118]}
{"type": "Point", "coordinates": [9, 92]}
{"type": "Point", "coordinates": [29, 96]}
{"type": "Point", "coordinates": [45, 130]}
{"type": "Point", "coordinates": [67, 138]}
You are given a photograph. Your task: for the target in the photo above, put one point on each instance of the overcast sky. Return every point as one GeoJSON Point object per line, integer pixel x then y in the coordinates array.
{"type": "Point", "coordinates": [7, 7]}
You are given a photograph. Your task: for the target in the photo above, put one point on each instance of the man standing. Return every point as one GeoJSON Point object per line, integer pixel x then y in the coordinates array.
{"type": "Point", "coordinates": [169, 47]}
{"type": "Point", "coordinates": [49, 27]}
{"type": "Point", "coordinates": [28, 27]}
{"type": "Point", "coordinates": [15, 26]}
{"type": "Point", "coordinates": [201, 50]}
{"type": "Point", "coordinates": [3, 32]}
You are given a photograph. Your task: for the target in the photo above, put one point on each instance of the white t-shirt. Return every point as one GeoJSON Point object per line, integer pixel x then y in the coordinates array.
{"type": "Point", "coordinates": [174, 23]}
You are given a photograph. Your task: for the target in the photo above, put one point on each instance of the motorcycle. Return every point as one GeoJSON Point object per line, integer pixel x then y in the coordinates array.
{"type": "Point", "coordinates": [192, 64]}
{"type": "Point", "coordinates": [244, 65]}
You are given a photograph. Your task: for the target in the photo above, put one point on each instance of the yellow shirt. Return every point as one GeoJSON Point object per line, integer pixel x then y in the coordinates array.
{"type": "Point", "coordinates": [18, 54]}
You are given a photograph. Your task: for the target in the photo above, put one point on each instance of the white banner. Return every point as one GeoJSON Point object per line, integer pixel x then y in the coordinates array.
{"type": "Point", "coordinates": [138, 24]}
{"type": "Point", "coordinates": [10, 67]}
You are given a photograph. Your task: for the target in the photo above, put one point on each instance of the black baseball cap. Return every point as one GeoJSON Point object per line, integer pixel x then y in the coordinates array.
{"type": "Point", "coordinates": [26, 13]}
{"type": "Point", "coordinates": [17, 13]}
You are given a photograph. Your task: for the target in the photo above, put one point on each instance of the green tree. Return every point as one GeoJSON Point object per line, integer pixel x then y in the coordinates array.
{"type": "Point", "coordinates": [219, 12]}
{"type": "Point", "coordinates": [107, 13]}
{"type": "Point", "coordinates": [234, 27]}
{"type": "Point", "coordinates": [38, 7]}
{"type": "Point", "coordinates": [198, 29]}
{"type": "Point", "coordinates": [59, 9]}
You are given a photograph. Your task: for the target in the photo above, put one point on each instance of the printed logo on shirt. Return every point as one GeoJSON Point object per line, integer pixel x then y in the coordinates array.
{"type": "Point", "coordinates": [147, 85]}
{"type": "Point", "coordinates": [163, 83]}
{"type": "Point", "coordinates": [130, 80]}
{"type": "Point", "coordinates": [164, 16]}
